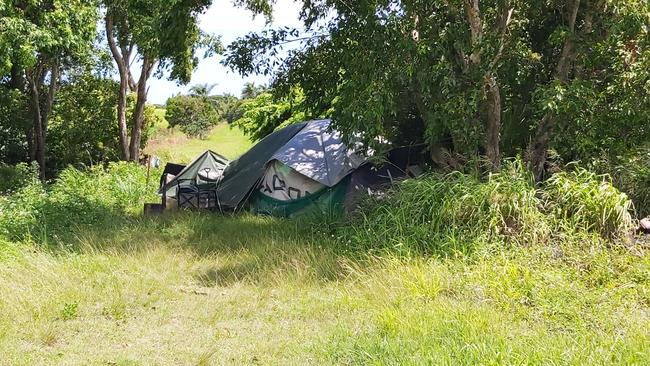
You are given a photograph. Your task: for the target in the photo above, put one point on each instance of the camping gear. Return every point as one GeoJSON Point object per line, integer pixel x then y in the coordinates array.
{"type": "Point", "coordinates": [171, 170]}
{"type": "Point", "coordinates": [195, 185]}
{"type": "Point", "coordinates": [205, 169]}
{"type": "Point", "coordinates": [301, 167]}
{"type": "Point", "coordinates": [289, 169]}
{"type": "Point", "coordinates": [242, 174]}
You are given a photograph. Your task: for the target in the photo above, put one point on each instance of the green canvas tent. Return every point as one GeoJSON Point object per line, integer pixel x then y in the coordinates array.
{"type": "Point", "coordinates": [207, 168]}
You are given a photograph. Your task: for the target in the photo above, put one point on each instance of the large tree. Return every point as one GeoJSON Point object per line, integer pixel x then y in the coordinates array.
{"type": "Point", "coordinates": [380, 61]}
{"type": "Point", "coordinates": [39, 41]}
{"type": "Point", "coordinates": [476, 77]}
{"type": "Point", "coordinates": [159, 35]}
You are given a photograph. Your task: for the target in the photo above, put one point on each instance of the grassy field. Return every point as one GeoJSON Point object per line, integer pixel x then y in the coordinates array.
{"type": "Point", "coordinates": [174, 146]}
{"type": "Point", "coordinates": [200, 289]}
{"type": "Point", "coordinates": [203, 290]}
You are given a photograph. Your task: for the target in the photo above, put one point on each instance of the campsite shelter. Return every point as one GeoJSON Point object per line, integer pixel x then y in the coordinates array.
{"type": "Point", "coordinates": [295, 168]}
{"type": "Point", "coordinates": [206, 169]}
{"type": "Point", "coordinates": [298, 168]}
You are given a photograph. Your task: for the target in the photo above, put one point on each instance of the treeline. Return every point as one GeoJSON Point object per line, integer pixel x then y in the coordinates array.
{"type": "Point", "coordinates": [198, 111]}
{"type": "Point", "coordinates": [551, 81]}
{"type": "Point", "coordinates": [74, 74]}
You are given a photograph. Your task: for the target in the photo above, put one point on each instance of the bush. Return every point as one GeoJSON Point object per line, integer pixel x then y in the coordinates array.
{"type": "Point", "coordinates": [93, 197]}
{"type": "Point", "coordinates": [590, 202]}
{"type": "Point", "coordinates": [194, 115]}
{"type": "Point", "coordinates": [633, 178]}
{"type": "Point", "coordinates": [12, 177]}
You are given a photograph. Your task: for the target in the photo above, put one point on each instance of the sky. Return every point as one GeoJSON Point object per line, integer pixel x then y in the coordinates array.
{"type": "Point", "coordinates": [222, 18]}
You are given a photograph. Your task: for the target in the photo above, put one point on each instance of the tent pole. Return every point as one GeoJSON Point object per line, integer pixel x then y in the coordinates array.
{"type": "Point", "coordinates": [164, 195]}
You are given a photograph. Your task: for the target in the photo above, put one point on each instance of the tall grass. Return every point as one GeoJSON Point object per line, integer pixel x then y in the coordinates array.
{"type": "Point", "coordinates": [78, 199]}
{"type": "Point", "coordinates": [191, 288]}
{"type": "Point", "coordinates": [456, 213]}
{"type": "Point", "coordinates": [589, 202]}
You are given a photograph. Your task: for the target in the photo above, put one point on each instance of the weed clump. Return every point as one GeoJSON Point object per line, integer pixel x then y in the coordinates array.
{"type": "Point", "coordinates": [447, 214]}
{"type": "Point", "coordinates": [589, 202]}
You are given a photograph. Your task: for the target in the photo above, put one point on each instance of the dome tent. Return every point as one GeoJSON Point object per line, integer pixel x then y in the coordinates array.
{"type": "Point", "coordinates": [206, 168]}
{"type": "Point", "coordinates": [289, 170]}
{"type": "Point", "coordinates": [308, 172]}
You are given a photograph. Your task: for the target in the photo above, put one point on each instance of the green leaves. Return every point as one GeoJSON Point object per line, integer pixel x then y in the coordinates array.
{"type": "Point", "coordinates": [51, 29]}
{"type": "Point", "coordinates": [193, 114]}
{"type": "Point", "coordinates": [265, 113]}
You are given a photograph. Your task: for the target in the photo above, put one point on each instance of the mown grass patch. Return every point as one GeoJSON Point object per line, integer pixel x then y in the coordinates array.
{"type": "Point", "coordinates": [174, 146]}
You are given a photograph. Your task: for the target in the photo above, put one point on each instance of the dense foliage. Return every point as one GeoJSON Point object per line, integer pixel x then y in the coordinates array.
{"type": "Point", "coordinates": [194, 115]}
{"type": "Point", "coordinates": [55, 51]}
{"type": "Point", "coordinates": [78, 199]}
{"type": "Point", "coordinates": [265, 113]}
{"type": "Point", "coordinates": [490, 77]}
{"type": "Point", "coordinates": [446, 213]}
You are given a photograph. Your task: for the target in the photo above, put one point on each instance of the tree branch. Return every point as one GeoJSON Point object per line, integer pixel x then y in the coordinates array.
{"type": "Point", "coordinates": [506, 20]}
{"type": "Point", "coordinates": [475, 27]}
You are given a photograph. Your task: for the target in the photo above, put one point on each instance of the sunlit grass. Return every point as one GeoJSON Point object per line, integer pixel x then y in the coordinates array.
{"type": "Point", "coordinates": [206, 289]}
{"type": "Point", "coordinates": [450, 270]}
{"type": "Point", "coordinates": [174, 146]}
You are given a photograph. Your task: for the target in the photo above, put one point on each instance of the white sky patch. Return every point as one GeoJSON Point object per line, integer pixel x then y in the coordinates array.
{"type": "Point", "coordinates": [222, 18]}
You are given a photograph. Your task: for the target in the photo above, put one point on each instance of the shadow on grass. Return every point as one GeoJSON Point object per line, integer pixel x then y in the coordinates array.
{"type": "Point", "coordinates": [225, 275]}
{"type": "Point", "coordinates": [227, 248]}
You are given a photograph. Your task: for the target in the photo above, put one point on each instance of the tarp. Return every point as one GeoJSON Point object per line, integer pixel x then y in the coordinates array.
{"type": "Point", "coordinates": [328, 200]}
{"type": "Point", "coordinates": [172, 170]}
{"type": "Point", "coordinates": [242, 175]}
{"type": "Point", "coordinates": [319, 154]}
{"type": "Point", "coordinates": [208, 167]}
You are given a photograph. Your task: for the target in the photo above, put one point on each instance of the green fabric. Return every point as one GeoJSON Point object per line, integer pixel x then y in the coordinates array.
{"type": "Point", "coordinates": [209, 159]}
{"type": "Point", "coordinates": [328, 200]}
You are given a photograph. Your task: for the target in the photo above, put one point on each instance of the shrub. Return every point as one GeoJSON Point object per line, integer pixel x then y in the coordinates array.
{"type": "Point", "coordinates": [95, 196]}
{"type": "Point", "coordinates": [12, 177]}
{"type": "Point", "coordinates": [590, 202]}
{"type": "Point", "coordinates": [194, 115]}
{"type": "Point", "coordinates": [457, 212]}
{"type": "Point", "coordinates": [633, 178]}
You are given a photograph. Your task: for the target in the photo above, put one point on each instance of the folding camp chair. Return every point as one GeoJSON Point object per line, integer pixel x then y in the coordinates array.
{"type": "Point", "coordinates": [187, 193]}
{"type": "Point", "coordinates": [207, 195]}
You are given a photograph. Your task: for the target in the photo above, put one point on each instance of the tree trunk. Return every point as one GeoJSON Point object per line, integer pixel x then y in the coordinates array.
{"type": "Point", "coordinates": [538, 151]}
{"type": "Point", "coordinates": [475, 27]}
{"type": "Point", "coordinates": [493, 133]}
{"type": "Point", "coordinates": [37, 122]}
{"type": "Point", "coordinates": [122, 66]}
{"type": "Point", "coordinates": [41, 113]}
{"type": "Point", "coordinates": [49, 101]}
{"type": "Point", "coordinates": [138, 112]}
{"type": "Point", "coordinates": [18, 82]}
